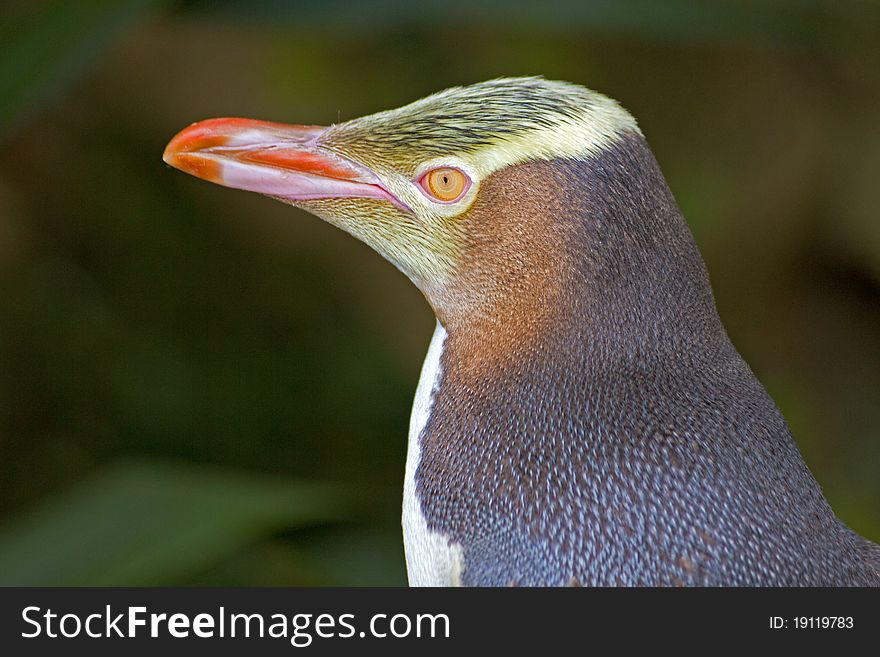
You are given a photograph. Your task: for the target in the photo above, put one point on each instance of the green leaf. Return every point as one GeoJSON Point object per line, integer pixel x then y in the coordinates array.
{"type": "Point", "coordinates": [45, 46]}
{"type": "Point", "coordinates": [144, 523]}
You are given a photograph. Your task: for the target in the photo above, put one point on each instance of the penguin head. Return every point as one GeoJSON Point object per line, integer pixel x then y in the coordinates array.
{"type": "Point", "coordinates": [461, 190]}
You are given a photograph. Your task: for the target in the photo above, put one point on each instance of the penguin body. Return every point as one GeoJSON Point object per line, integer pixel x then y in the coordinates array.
{"type": "Point", "coordinates": [632, 446]}
{"type": "Point", "coordinates": [582, 417]}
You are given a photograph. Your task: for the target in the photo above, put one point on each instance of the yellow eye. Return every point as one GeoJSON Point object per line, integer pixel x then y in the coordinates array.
{"type": "Point", "coordinates": [445, 184]}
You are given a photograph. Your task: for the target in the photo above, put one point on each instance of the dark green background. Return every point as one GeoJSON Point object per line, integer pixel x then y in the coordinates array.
{"type": "Point", "coordinates": [199, 385]}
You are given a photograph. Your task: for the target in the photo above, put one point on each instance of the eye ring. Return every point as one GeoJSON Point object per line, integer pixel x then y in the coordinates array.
{"type": "Point", "coordinates": [445, 184]}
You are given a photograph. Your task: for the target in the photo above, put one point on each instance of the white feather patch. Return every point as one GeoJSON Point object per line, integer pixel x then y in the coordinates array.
{"type": "Point", "coordinates": [430, 558]}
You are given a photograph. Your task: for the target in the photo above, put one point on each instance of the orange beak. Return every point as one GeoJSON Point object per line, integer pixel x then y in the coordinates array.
{"type": "Point", "coordinates": [283, 161]}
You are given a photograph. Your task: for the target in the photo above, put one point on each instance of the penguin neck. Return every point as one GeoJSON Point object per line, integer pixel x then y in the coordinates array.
{"type": "Point", "coordinates": [593, 256]}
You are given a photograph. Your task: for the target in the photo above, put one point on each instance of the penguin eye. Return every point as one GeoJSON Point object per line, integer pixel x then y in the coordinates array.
{"type": "Point", "coordinates": [445, 184]}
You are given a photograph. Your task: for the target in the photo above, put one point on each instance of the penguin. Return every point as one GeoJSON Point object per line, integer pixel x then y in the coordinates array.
{"type": "Point", "coordinates": [582, 417]}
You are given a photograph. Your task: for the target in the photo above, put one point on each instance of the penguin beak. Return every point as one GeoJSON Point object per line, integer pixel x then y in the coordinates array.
{"type": "Point", "coordinates": [275, 159]}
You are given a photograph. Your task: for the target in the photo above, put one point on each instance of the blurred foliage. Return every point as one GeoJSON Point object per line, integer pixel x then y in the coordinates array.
{"type": "Point", "coordinates": [190, 375]}
{"type": "Point", "coordinates": [45, 45]}
{"type": "Point", "coordinates": [146, 523]}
